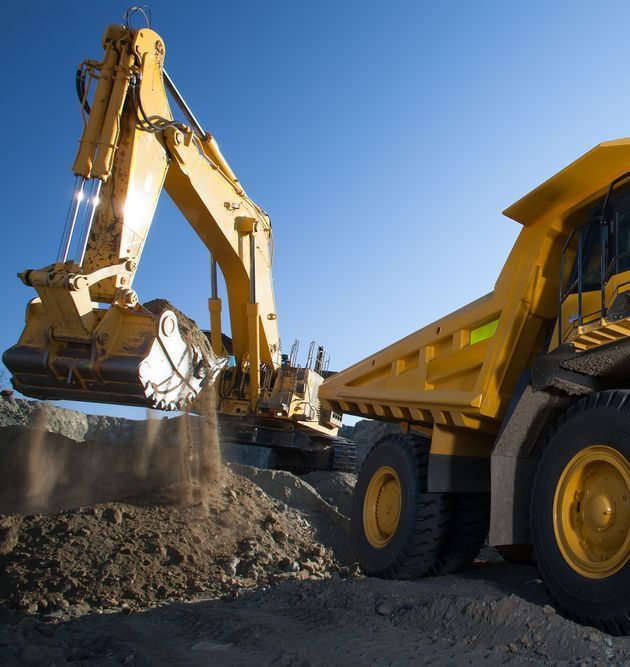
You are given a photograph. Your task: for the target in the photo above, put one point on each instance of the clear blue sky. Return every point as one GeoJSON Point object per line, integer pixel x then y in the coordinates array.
{"type": "Point", "coordinates": [384, 139]}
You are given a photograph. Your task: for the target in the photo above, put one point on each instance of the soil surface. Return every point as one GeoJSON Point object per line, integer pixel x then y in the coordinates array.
{"type": "Point", "coordinates": [241, 566]}
{"type": "Point", "coordinates": [492, 614]}
{"type": "Point", "coordinates": [130, 555]}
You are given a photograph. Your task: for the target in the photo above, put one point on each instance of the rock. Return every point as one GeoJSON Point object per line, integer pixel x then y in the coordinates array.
{"type": "Point", "coordinates": [62, 603]}
{"type": "Point", "coordinates": [176, 557]}
{"type": "Point", "coordinates": [113, 515]}
{"type": "Point", "coordinates": [231, 566]}
{"type": "Point", "coordinates": [309, 566]}
{"type": "Point", "coordinates": [548, 610]}
{"type": "Point", "coordinates": [9, 534]}
{"type": "Point", "coordinates": [384, 608]}
{"type": "Point", "coordinates": [365, 433]}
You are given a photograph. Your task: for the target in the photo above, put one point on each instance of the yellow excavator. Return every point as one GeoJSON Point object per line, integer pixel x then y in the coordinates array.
{"type": "Point", "coordinates": [87, 337]}
{"type": "Point", "coordinates": [515, 410]}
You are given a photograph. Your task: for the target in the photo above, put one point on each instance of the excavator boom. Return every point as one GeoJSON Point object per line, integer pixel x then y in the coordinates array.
{"type": "Point", "coordinates": [86, 336]}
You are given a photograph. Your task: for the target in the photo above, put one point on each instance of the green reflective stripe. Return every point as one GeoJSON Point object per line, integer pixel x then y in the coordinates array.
{"type": "Point", "coordinates": [483, 332]}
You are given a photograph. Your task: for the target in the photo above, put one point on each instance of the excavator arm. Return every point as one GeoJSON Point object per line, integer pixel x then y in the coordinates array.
{"type": "Point", "coordinates": [86, 336]}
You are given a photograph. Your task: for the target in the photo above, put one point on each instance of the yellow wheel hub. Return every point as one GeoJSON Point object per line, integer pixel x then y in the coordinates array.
{"type": "Point", "coordinates": [591, 512]}
{"type": "Point", "coordinates": [381, 507]}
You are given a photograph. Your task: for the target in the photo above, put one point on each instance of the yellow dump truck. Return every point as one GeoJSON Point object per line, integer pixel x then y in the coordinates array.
{"type": "Point", "coordinates": [515, 409]}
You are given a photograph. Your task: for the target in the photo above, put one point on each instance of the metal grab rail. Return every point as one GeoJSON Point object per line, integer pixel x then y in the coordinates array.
{"type": "Point", "coordinates": [607, 269]}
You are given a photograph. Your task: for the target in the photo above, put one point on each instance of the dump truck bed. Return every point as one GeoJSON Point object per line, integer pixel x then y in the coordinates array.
{"type": "Point", "coordinates": [461, 370]}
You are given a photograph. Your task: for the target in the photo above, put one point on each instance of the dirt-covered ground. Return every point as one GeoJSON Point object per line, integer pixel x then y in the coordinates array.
{"type": "Point", "coordinates": [255, 568]}
{"type": "Point", "coordinates": [492, 614]}
{"type": "Point", "coordinates": [133, 554]}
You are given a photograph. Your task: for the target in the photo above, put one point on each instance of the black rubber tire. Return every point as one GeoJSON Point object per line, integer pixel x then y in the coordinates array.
{"type": "Point", "coordinates": [516, 554]}
{"type": "Point", "coordinates": [425, 517]}
{"type": "Point", "coordinates": [601, 418]}
{"type": "Point", "coordinates": [470, 522]}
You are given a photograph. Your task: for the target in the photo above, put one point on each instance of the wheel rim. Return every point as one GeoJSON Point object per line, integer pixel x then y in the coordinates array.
{"type": "Point", "coordinates": [591, 512]}
{"type": "Point", "coordinates": [381, 507]}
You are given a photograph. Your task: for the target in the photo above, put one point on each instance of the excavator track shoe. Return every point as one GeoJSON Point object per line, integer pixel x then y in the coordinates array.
{"type": "Point", "coordinates": [343, 457]}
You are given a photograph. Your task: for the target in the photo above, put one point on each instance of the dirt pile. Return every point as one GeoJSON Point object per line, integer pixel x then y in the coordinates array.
{"type": "Point", "coordinates": [337, 489]}
{"type": "Point", "coordinates": [190, 331]}
{"type": "Point", "coordinates": [133, 554]}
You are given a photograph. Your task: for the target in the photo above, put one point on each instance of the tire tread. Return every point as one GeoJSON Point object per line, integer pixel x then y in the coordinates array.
{"type": "Point", "coordinates": [618, 623]}
{"type": "Point", "coordinates": [431, 516]}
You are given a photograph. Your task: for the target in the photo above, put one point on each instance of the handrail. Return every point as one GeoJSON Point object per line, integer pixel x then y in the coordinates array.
{"type": "Point", "coordinates": [607, 269]}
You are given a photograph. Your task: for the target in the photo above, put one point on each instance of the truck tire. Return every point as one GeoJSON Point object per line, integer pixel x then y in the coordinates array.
{"type": "Point", "coordinates": [398, 528]}
{"type": "Point", "coordinates": [467, 532]}
{"type": "Point", "coordinates": [580, 512]}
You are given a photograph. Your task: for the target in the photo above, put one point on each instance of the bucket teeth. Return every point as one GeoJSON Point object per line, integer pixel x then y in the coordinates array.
{"type": "Point", "coordinates": [132, 361]}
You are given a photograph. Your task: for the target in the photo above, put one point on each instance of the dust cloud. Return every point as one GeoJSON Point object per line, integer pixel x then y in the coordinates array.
{"type": "Point", "coordinates": [200, 452]}
{"type": "Point", "coordinates": [43, 466]}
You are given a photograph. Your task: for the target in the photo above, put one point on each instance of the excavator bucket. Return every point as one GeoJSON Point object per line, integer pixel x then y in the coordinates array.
{"type": "Point", "coordinates": [133, 357]}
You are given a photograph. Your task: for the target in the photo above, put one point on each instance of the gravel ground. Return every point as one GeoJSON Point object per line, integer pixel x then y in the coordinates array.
{"type": "Point", "coordinates": [492, 614]}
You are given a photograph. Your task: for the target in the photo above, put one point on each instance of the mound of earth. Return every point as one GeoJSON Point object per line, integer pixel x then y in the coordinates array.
{"type": "Point", "coordinates": [133, 554]}
{"type": "Point", "coordinates": [337, 488]}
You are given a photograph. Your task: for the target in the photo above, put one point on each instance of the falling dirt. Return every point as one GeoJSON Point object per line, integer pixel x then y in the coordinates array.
{"type": "Point", "coordinates": [41, 468]}
{"type": "Point", "coordinates": [200, 452]}
{"type": "Point", "coordinates": [144, 455]}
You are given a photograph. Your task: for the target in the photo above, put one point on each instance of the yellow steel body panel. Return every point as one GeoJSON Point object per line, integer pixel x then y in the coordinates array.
{"type": "Point", "coordinates": [582, 179]}
{"type": "Point", "coordinates": [460, 371]}
{"type": "Point", "coordinates": [135, 161]}
{"type": "Point", "coordinates": [131, 148]}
